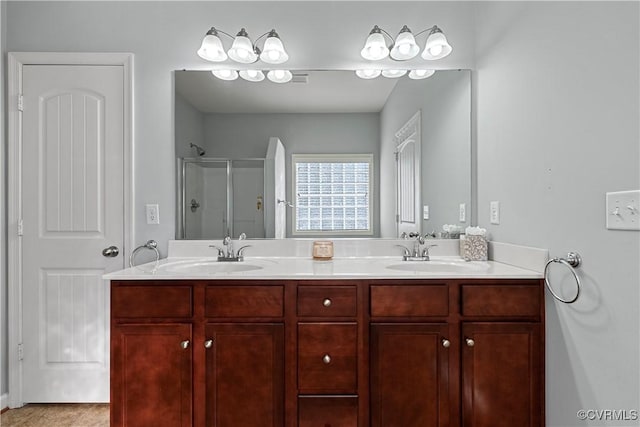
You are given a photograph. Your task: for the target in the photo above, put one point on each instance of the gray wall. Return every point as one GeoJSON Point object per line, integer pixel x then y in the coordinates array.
{"type": "Point", "coordinates": [4, 371]}
{"type": "Point", "coordinates": [556, 93]}
{"type": "Point", "coordinates": [189, 125]}
{"type": "Point", "coordinates": [247, 135]}
{"type": "Point", "coordinates": [444, 100]}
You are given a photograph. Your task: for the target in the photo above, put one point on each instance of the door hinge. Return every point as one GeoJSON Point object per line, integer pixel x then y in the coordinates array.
{"type": "Point", "coordinates": [20, 102]}
{"type": "Point", "coordinates": [20, 352]}
{"type": "Point", "coordinates": [20, 228]}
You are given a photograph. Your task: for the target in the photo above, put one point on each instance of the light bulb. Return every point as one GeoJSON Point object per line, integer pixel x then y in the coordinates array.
{"type": "Point", "coordinates": [279, 76]}
{"type": "Point", "coordinates": [252, 75]}
{"type": "Point", "coordinates": [393, 74]}
{"type": "Point", "coordinates": [437, 46]}
{"type": "Point", "coordinates": [420, 74]}
{"type": "Point", "coordinates": [273, 51]}
{"type": "Point", "coordinates": [404, 49]}
{"type": "Point", "coordinates": [405, 46]}
{"type": "Point", "coordinates": [225, 74]}
{"type": "Point", "coordinates": [375, 47]}
{"type": "Point", "coordinates": [367, 74]}
{"type": "Point", "coordinates": [435, 50]}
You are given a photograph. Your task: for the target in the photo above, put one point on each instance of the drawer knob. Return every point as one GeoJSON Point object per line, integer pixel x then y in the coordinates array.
{"type": "Point", "coordinates": [184, 344]}
{"type": "Point", "coordinates": [470, 342]}
{"type": "Point", "coordinates": [208, 344]}
{"type": "Point", "coordinates": [326, 359]}
{"type": "Point", "coordinates": [446, 343]}
{"type": "Point", "coordinates": [326, 302]}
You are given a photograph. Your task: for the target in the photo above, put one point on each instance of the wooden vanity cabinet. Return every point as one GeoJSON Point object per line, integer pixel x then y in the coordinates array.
{"type": "Point", "coordinates": [328, 353]}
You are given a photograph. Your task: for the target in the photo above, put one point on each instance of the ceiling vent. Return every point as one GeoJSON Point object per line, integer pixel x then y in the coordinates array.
{"type": "Point", "coordinates": [300, 78]}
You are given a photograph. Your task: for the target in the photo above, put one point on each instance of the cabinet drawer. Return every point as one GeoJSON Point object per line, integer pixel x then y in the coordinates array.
{"type": "Point", "coordinates": [327, 301]}
{"type": "Point", "coordinates": [501, 300]}
{"type": "Point", "coordinates": [244, 301]}
{"type": "Point", "coordinates": [406, 301]}
{"type": "Point", "coordinates": [151, 301]}
{"type": "Point", "coordinates": [327, 357]}
{"type": "Point", "coordinates": [328, 411]}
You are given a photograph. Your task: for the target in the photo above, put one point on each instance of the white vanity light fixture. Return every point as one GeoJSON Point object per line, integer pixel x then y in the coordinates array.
{"type": "Point", "coordinates": [225, 74]}
{"type": "Point", "coordinates": [368, 73]}
{"type": "Point", "coordinates": [252, 75]}
{"type": "Point", "coordinates": [404, 46]}
{"type": "Point", "coordinates": [243, 50]}
{"type": "Point", "coordinates": [421, 74]}
{"type": "Point", "coordinates": [280, 76]}
{"type": "Point", "coordinates": [393, 74]}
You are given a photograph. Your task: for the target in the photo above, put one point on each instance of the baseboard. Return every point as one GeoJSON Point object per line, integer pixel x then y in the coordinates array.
{"type": "Point", "coordinates": [4, 402]}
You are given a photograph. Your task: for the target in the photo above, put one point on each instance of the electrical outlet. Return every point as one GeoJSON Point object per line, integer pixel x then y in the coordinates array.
{"type": "Point", "coordinates": [425, 212]}
{"type": "Point", "coordinates": [153, 214]}
{"type": "Point", "coordinates": [463, 212]}
{"type": "Point", "coordinates": [494, 212]}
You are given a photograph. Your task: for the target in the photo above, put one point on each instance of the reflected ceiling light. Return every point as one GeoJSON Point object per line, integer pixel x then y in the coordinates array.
{"type": "Point", "coordinates": [393, 74]}
{"type": "Point", "coordinates": [252, 75]}
{"type": "Point", "coordinates": [404, 46]}
{"type": "Point", "coordinates": [225, 74]}
{"type": "Point", "coordinates": [243, 50]}
{"type": "Point", "coordinates": [420, 74]}
{"type": "Point", "coordinates": [279, 76]}
{"type": "Point", "coordinates": [367, 74]}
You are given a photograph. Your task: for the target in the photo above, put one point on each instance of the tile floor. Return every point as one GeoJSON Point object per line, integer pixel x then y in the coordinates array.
{"type": "Point", "coordinates": [57, 415]}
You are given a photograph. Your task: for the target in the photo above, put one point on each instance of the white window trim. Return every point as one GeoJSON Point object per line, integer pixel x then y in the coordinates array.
{"type": "Point", "coordinates": [331, 158]}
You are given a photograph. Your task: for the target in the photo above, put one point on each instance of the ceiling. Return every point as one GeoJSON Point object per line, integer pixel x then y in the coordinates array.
{"type": "Point", "coordinates": [318, 92]}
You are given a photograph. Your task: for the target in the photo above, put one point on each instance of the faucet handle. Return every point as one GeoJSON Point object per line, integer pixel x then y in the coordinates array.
{"type": "Point", "coordinates": [407, 252]}
{"type": "Point", "coordinates": [220, 251]}
{"type": "Point", "coordinates": [425, 251]}
{"type": "Point", "coordinates": [226, 240]}
{"type": "Point", "coordinates": [240, 252]}
{"type": "Point", "coordinates": [242, 236]}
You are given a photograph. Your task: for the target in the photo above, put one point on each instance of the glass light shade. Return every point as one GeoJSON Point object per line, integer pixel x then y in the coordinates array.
{"type": "Point", "coordinates": [279, 76]}
{"type": "Point", "coordinates": [273, 52]}
{"type": "Point", "coordinates": [242, 50]}
{"type": "Point", "coordinates": [211, 49]}
{"type": "Point", "coordinates": [393, 74]}
{"type": "Point", "coordinates": [252, 75]}
{"type": "Point", "coordinates": [375, 48]}
{"type": "Point", "coordinates": [367, 74]}
{"type": "Point", "coordinates": [420, 74]}
{"type": "Point", "coordinates": [225, 74]}
{"type": "Point", "coordinates": [437, 46]}
{"type": "Point", "coordinates": [405, 47]}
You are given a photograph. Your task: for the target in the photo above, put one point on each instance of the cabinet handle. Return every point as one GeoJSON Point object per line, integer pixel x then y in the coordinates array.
{"type": "Point", "coordinates": [184, 344]}
{"type": "Point", "coordinates": [470, 342]}
{"type": "Point", "coordinates": [446, 343]}
{"type": "Point", "coordinates": [208, 344]}
{"type": "Point", "coordinates": [326, 302]}
{"type": "Point", "coordinates": [326, 359]}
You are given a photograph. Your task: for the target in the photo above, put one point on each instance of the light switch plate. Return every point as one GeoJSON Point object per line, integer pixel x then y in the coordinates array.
{"type": "Point", "coordinates": [623, 210]}
{"type": "Point", "coordinates": [425, 212]}
{"type": "Point", "coordinates": [463, 212]}
{"type": "Point", "coordinates": [494, 212]}
{"type": "Point", "coordinates": [153, 214]}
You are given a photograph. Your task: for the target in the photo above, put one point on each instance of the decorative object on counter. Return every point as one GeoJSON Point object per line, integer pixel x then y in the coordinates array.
{"type": "Point", "coordinates": [450, 231]}
{"type": "Point", "coordinates": [474, 246]}
{"type": "Point", "coordinates": [323, 249]}
{"type": "Point", "coordinates": [572, 261]}
{"type": "Point", "coordinates": [152, 245]}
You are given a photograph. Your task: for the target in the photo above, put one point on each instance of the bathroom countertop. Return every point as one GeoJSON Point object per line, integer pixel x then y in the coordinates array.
{"type": "Point", "coordinates": [296, 268]}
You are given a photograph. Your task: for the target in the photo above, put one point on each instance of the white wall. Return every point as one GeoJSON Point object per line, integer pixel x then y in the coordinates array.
{"type": "Point", "coordinates": [444, 100]}
{"type": "Point", "coordinates": [247, 135]}
{"type": "Point", "coordinates": [4, 333]}
{"type": "Point", "coordinates": [556, 99]}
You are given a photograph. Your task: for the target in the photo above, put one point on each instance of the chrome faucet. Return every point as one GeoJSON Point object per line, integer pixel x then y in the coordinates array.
{"type": "Point", "coordinates": [229, 255]}
{"type": "Point", "coordinates": [416, 254]}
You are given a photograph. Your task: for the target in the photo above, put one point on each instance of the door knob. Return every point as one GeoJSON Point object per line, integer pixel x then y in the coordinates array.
{"type": "Point", "coordinates": [446, 343]}
{"type": "Point", "coordinates": [110, 252]}
{"type": "Point", "coordinates": [470, 342]}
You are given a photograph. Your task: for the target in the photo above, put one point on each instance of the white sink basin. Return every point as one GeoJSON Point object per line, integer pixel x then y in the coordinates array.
{"type": "Point", "coordinates": [208, 267]}
{"type": "Point", "coordinates": [440, 266]}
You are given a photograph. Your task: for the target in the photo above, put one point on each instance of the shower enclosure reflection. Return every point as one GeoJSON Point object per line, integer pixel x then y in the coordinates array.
{"type": "Point", "coordinates": [227, 197]}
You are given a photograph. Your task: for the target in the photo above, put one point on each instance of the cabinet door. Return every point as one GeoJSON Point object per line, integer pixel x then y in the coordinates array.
{"type": "Point", "coordinates": [501, 375]}
{"type": "Point", "coordinates": [409, 375]}
{"type": "Point", "coordinates": [244, 375]}
{"type": "Point", "coordinates": [151, 375]}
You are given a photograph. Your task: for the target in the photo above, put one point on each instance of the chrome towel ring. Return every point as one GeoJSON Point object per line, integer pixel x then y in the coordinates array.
{"type": "Point", "coordinates": [151, 244]}
{"type": "Point", "coordinates": [572, 261]}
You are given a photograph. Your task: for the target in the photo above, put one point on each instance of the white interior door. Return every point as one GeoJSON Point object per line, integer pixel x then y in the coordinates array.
{"type": "Point", "coordinates": [73, 208]}
{"type": "Point", "coordinates": [408, 177]}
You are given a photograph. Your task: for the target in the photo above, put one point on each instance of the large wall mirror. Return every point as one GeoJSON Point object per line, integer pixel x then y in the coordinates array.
{"type": "Point", "coordinates": [235, 141]}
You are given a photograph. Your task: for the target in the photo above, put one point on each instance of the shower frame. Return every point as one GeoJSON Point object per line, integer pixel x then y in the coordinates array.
{"type": "Point", "coordinates": [182, 189]}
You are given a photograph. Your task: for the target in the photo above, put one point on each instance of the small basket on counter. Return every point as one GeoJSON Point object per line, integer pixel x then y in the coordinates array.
{"type": "Point", "coordinates": [474, 245]}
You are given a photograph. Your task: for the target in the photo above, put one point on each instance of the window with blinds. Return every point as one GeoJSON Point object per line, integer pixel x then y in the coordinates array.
{"type": "Point", "coordinates": [332, 193]}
